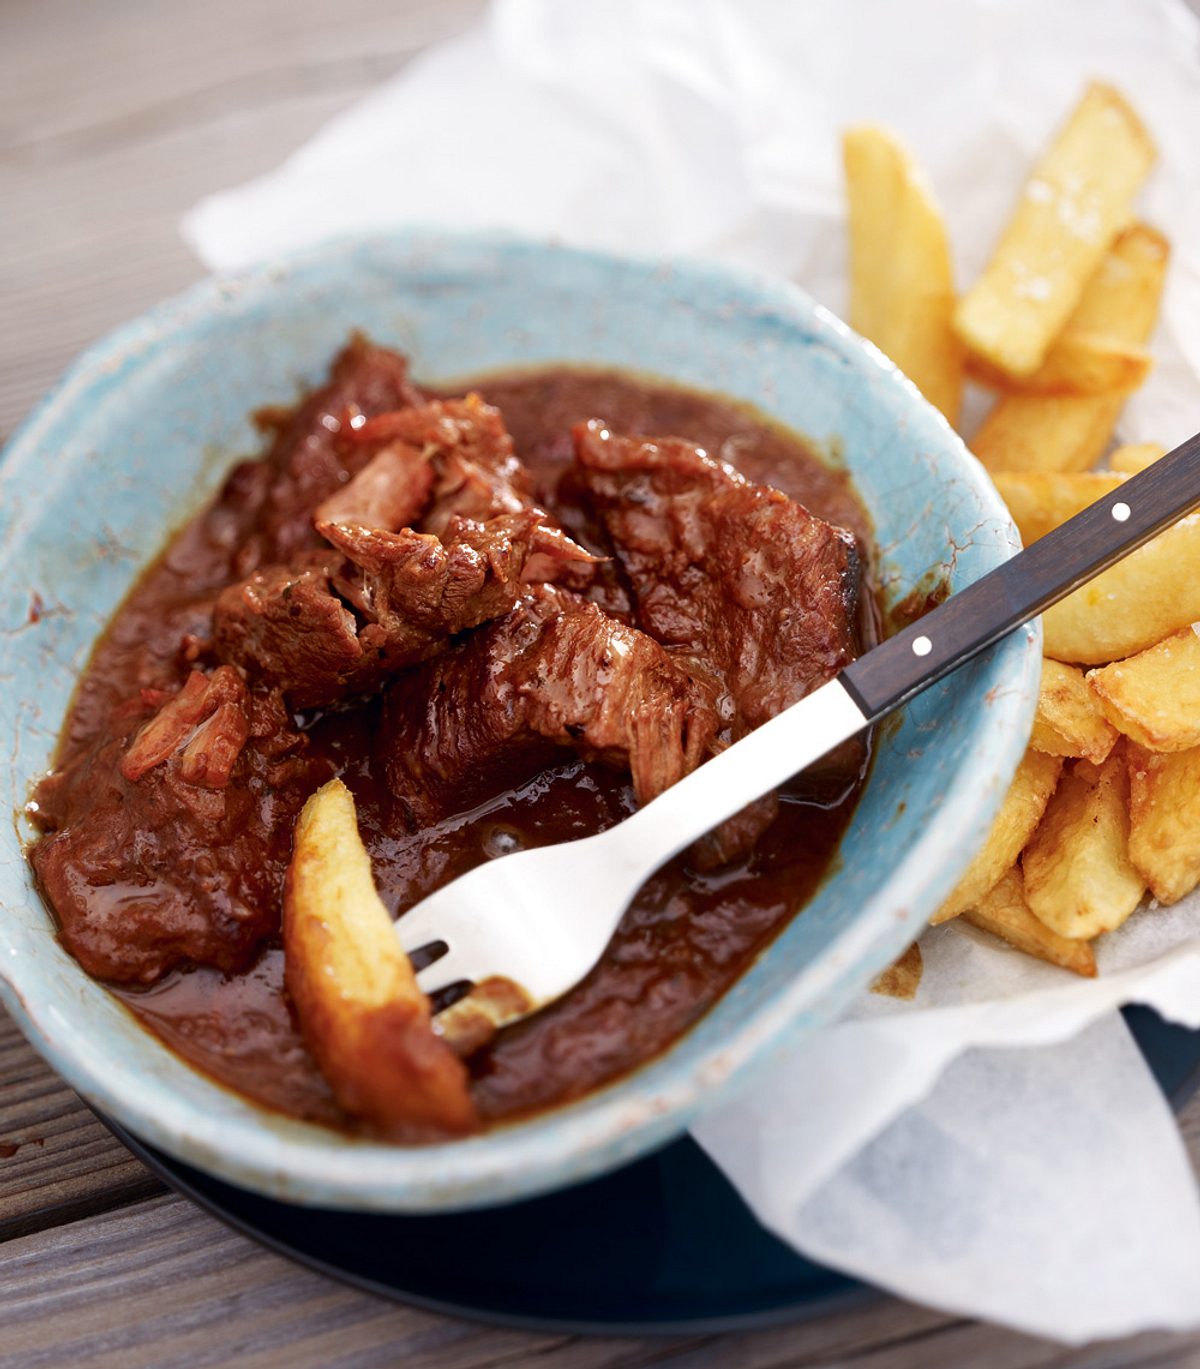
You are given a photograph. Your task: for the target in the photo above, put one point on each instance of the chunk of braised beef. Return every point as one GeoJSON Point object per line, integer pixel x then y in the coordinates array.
{"type": "Point", "coordinates": [737, 576]}
{"type": "Point", "coordinates": [556, 672]}
{"type": "Point", "coordinates": [477, 474]}
{"type": "Point", "coordinates": [337, 623]}
{"type": "Point", "coordinates": [391, 491]}
{"type": "Point", "coordinates": [323, 629]}
{"type": "Point", "coordinates": [167, 856]}
{"type": "Point", "coordinates": [472, 472]}
{"type": "Point", "coordinates": [286, 627]}
{"type": "Point", "coordinates": [307, 462]}
{"type": "Point", "coordinates": [418, 584]}
{"type": "Point", "coordinates": [184, 724]}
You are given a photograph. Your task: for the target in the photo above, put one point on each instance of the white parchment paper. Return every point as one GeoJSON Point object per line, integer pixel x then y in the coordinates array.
{"type": "Point", "coordinates": [997, 1147]}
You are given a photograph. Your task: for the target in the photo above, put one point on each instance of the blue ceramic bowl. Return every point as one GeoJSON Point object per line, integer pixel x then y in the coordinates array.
{"type": "Point", "coordinates": [139, 434]}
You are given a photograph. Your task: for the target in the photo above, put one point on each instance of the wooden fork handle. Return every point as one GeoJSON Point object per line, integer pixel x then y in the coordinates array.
{"type": "Point", "coordinates": [1012, 594]}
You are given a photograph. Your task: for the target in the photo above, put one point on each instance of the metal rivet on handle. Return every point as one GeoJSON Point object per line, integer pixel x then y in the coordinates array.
{"type": "Point", "coordinates": [1120, 511]}
{"type": "Point", "coordinates": [922, 646]}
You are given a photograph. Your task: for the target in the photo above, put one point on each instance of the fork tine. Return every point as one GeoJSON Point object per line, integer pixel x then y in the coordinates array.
{"type": "Point", "coordinates": [457, 964]}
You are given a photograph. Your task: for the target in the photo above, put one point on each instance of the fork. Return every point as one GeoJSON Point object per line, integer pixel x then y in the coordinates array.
{"type": "Point", "coordinates": [504, 919]}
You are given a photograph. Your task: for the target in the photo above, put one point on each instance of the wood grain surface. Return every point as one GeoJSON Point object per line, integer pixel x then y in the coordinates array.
{"type": "Point", "coordinates": [115, 116]}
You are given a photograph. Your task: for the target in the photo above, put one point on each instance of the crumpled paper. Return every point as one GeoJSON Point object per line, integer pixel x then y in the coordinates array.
{"type": "Point", "coordinates": [998, 1147]}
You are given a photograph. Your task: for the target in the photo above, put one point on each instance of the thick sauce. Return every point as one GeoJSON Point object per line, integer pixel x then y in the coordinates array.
{"type": "Point", "coordinates": [688, 936]}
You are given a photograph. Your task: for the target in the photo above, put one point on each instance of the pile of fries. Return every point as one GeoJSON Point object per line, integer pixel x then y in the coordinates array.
{"type": "Point", "coordinates": [1104, 811]}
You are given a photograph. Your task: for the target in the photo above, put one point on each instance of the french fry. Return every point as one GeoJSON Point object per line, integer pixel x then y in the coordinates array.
{"type": "Point", "coordinates": [1023, 806]}
{"type": "Point", "coordinates": [1023, 432]}
{"type": "Point", "coordinates": [1106, 801]}
{"type": "Point", "coordinates": [1164, 820]}
{"type": "Point", "coordinates": [1031, 432]}
{"type": "Point", "coordinates": [1069, 719]}
{"type": "Point", "coordinates": [875, 167]}
{"type": "Point", "coordinates": [1154, 697]}
{"type": "Point", "coordinates": [361, 1011]}
{"type": "Point", "coordinates": [1004, 912]}
{"type": "Point", "coordinates": [1040, 500]}
{"type": "Point", "coordinates": [1135, 457]}
{"type": "Point", "coordinates": [1074, 203]}
{"type": "Point", "coordinates": [1122, 299]}
{"type": "Point", "coordinates": [1078, 363]}
{"type": "Point", "coordinates": [469, 1024]}
{"type": "Point", "coordinates": [903, 978]}
{"type": "Point", "coordinates": [1079, 878]}
{"type": "Point", "coordinates": [1152, 593]}
{"type": "Point", "coordinates": [901, 276]}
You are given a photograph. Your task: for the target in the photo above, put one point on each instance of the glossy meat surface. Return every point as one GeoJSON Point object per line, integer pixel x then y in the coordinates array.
{"type": "Point", "coordinates": [308, 460]}
{"type": "Point", "coordinates": [556, 671]}
{"type": "Point", "coordinates": [331, 626]}
{"type": "Point", "coordinates": [736, 576]}
{"type": "Point", "coordinates": [167, 852]}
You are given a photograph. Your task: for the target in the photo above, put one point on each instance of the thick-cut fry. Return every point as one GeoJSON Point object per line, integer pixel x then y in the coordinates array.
{"type": "Point", "coordinates": [1079, 879]}
{"type": "Point", "coordinates": [1024, 432]}
{"type": "Point", "coordinates": [1154, 697]}
{"type": "Point", "coordinates": [1030, 432]}
{"type": "Point", "coordinates": [1078, 363]}
{"type": "Point", "coordinates": [1057, 325]}
{"type": "Point", "coordinates": [361, 1011]}
{"type": "Point", "coordinates": [1134, 457]}
{"type": "Point", "coordinates": [469, 1024]}
{"type": "Point", "coordinates": [873, 164]}
{"type": "Point", "coordinates": [1069, 720]}
{"type": "Point", "coordinates": [902, 979]}
{"type": "Point", "coordinates": [1073, 204]}
{"type": "Point", "coordinates": [901, 276]}
{"type": "Point", "coordinates": [1164, 820]}
{"type": "Point", "coordinates": [1004, 913]}
{"type": "Point", "coordinates": [1122, 299]}
{"type": "Point", "coordinates": [1040, 500]}
{"type": "Point", "coordinates": [1152, 593]}
{"type": "Point", "coordinates": [1019, 814]}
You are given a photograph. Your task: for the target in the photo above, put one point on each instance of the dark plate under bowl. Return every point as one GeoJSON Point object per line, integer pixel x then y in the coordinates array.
{"type": "Point", "coordinates": [664, 1245]}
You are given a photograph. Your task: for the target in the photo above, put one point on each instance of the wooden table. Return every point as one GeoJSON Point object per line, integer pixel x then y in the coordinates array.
{"type": "Point", "coordinates": [114, 118]}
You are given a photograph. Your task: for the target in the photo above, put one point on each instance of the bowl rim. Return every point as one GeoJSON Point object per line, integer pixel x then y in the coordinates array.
{"type": "Point", "coordinates": [298, 1161]}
